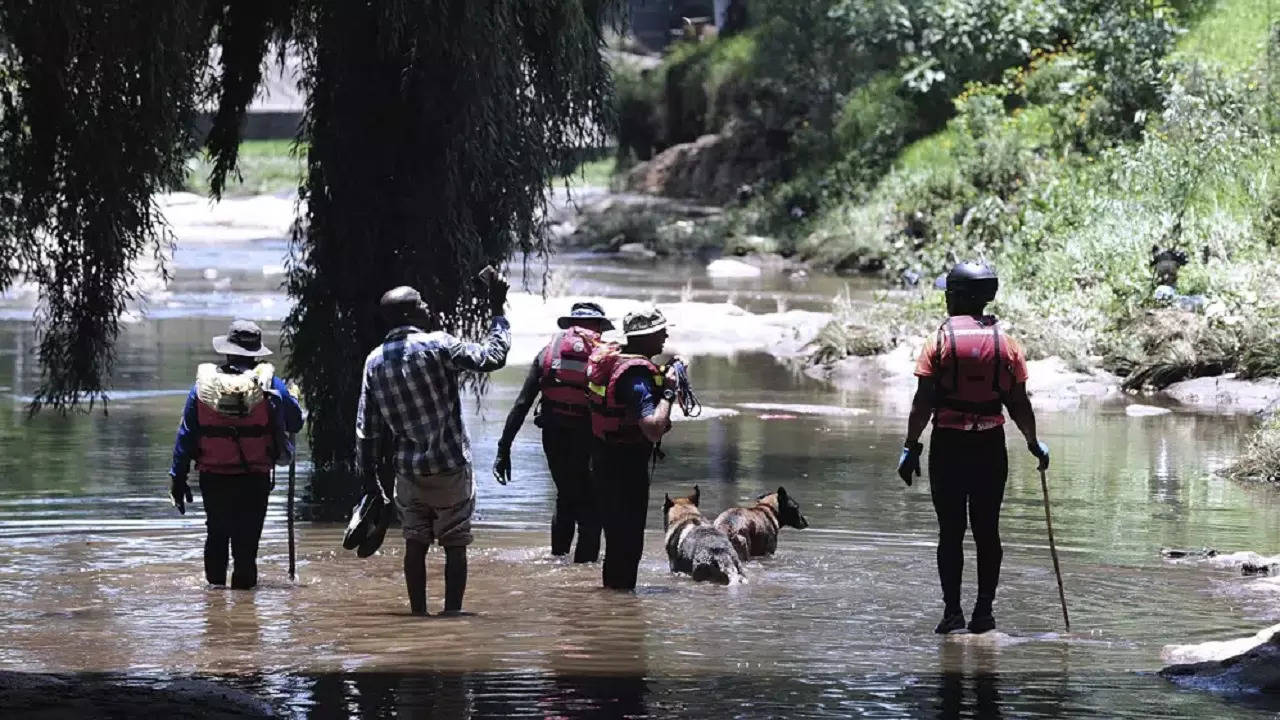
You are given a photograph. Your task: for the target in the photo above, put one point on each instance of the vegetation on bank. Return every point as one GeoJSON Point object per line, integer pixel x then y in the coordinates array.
{"type": "Point", "coordinates": [1059, 139]}
{"type": "Point", "coordinates": [263, 167]}
{"type": "Point", "coordinates": [275, 166]}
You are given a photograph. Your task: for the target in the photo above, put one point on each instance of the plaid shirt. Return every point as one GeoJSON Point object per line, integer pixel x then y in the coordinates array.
{"type": "Point", "coordinates": [410, 387]}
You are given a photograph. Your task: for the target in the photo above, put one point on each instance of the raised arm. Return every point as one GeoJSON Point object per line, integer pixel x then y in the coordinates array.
{"type": "Point", "coordinates": [485, 356]}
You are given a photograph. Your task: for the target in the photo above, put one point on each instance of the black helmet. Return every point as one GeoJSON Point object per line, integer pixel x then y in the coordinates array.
{"type": "Point", "coordinates": [976, 280]}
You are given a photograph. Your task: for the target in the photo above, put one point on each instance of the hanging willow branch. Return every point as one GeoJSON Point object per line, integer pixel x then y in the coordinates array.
{"type": "Point", "coordinates": [429, 162]}
{"type": "Point", "coordinates": [433, 130]}
{"type": "Point", "coordinates": [96, 102]}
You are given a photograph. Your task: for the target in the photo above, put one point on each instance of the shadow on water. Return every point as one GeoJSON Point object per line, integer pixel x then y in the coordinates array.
{"type": "Point", "coordinates": [944, 696]}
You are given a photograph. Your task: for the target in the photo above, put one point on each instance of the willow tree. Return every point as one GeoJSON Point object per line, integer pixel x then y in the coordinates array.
{"type": "Point", "coordinates": [432, 128]}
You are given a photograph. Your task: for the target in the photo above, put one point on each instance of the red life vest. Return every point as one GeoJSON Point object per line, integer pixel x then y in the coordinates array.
{"type": "Point", "coordinates": [972, 374]}
{"type": "Point", "coordinates": [564, 372]}
{"type": "Point", "coordinates": [611, 420]}
{"type": "Point", "coordinates": [235, 435]}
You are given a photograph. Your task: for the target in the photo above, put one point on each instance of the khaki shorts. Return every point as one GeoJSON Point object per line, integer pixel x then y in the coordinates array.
{"type": "Point", "coordinates": [437, 507]}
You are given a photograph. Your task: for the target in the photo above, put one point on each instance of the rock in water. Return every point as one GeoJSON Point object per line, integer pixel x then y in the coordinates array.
{"type": "Point", "coordinates": [1252, 672]}
{"type": "Point", "coordinates": [729, 268]}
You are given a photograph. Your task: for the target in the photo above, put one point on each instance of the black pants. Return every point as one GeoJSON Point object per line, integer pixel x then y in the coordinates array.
{"type": "Point", "coordinates": [620, 478]}
{"type": "Point", "coordinates": [568, 452]}
{"type": "Point", "coordinates": [967, 474]}
{"type": "Point", "coordinates": [234, 508]}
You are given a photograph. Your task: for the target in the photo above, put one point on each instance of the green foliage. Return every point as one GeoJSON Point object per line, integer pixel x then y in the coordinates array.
{"type": "Point", "coordinates": [1232, 37]}
{"type": "Point", "coordinates": [1260, 460]}
{"type": "Point", "coordinates": [262, 166]}
{"type": "Point", "coordinates": [432, 131]}
{"type": "Point", "coordinates": [1065, 172]}
{"type": "Point", "coordinates": [92, 126]}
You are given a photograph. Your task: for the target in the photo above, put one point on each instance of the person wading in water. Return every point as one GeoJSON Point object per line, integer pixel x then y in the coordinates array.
{"type": "Point", "coordinates": [631, 402]}
{"type": "Point", "coordinates": [238, 422]}
{"type": "Point", "coordinates": [967, 373]}
{"type": "Point", "coordinates": [410, 390]}
{"type": "Point", "coordinates": [559, 373]}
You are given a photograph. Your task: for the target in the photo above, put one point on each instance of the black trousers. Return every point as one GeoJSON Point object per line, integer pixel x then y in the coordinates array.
{"type": "Point", "coordinates": [234, 508]}
{"type": "Point", "coordinates": [967, 475]}
{"type": "Point", "coordinates": [568, 450]}
{"type": "Point", "coordinates": [620, 478]}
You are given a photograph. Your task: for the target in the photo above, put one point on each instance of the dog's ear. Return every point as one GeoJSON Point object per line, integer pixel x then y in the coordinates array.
{"type": "Point", "coordinates": [782, 495]}
{"type": "Point", "coordinates": [697, 494]}
{"type": "Point", "coordinates": [1155, 253]}
{"type": "Point", "coordinates": [666, 502]}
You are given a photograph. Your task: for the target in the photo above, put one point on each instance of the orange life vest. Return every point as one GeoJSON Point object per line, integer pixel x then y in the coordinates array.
{"type": "Point", "coordinates": [235, 422]}
{"type": "Point", "coordinates": [564, 372]}
{"type": "Point", "coordinates": [972, 374]}
{"type": "Point", "coordinates": [611, 420]}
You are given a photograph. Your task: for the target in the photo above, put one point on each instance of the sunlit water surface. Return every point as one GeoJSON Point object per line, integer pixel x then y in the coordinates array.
{"type": "Point", "coordinates": [100, 574]}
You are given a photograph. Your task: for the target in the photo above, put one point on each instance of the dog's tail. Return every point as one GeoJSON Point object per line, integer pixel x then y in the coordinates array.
{"type": "Point", "coordinates": [720, 566]}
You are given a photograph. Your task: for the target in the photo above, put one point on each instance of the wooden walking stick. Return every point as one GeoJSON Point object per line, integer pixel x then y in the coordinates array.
{"type": "Point", "coordinates": [293, 563]}
{"type": "Point", "coordinates": [1053, 549]}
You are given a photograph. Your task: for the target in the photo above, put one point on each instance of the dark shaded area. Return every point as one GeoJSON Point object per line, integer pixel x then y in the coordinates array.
{"type": "Point", "coordinates": [943, 696]}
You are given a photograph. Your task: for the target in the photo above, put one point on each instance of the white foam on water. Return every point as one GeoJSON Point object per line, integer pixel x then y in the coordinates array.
{"type": "Point", "coordinates": [1145, 410]}
{"type": "Point", "coordinates": [708, 413]}
{"type": "Point", "coordinates": [1215, 650]}
{"type": "Point", "coordinates": [801, 409]}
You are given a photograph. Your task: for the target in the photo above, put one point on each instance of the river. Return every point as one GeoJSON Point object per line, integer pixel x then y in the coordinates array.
{"type": "Point", "coordinates": [101, 576]}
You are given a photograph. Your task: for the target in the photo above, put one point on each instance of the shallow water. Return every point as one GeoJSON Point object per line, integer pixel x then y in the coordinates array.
{"type": "Point", "coordinates": [100, 574]}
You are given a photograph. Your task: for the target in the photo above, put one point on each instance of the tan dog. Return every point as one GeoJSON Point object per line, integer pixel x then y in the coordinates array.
{"type": "Point", "coordinates": [754, 530]}
{"type": "Point", "coordinates": [695, 546]}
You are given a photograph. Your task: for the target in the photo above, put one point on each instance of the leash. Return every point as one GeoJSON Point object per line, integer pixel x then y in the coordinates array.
{"type": "Point", "coordinates": [1053, 550]}
{"type": "Point", "coordinates": [685, 396]}
{"type": "Point", "coordinates": [686, 400]}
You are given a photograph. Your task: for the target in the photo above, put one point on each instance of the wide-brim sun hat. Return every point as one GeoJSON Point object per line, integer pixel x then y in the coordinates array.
{"type": "Point", "coordinates": [584, 311]}
{"type": "Point", "coordinates": [243, 338]}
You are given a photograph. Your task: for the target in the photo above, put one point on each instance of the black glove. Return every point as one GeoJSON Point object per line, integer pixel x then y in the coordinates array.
{"type": "Point", "coordinates": [1041, 451]}
{"type": "Point", "coordinates": [497, 286]}
{"type": "Point", "coordinates": [502, 466]}
{"type": "Point", "coordinates": [909, 461]}
{"type": "Point", "coordinates": [180, 494]}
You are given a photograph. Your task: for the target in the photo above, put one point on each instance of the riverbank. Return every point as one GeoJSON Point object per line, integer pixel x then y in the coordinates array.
{"type": "Point", "coordinates": [1054, 386]}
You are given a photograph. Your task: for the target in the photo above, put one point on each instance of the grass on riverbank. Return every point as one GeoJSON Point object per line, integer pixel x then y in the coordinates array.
{"type": "Point", "coordinates": [264, 167]}
{"type": "Point", "coordinates": [273, 166]}
{"type": "Point", "coordinates": [1069, 211]}
{"type": "Point", "coordinates": [1260, 460]}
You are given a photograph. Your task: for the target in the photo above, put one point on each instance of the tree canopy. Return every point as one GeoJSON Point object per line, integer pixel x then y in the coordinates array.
{"type": "Point", "coordinates": [432, 127]}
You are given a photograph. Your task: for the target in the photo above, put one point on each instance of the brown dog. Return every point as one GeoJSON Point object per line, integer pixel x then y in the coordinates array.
{"type": "Point", "coordinates": [695, 546]}
{"type": "Point", "coordinates": [754, 530]}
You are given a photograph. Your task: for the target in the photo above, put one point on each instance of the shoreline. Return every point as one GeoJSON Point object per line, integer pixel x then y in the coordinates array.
{"type": "Point", "coordinates": [1056, 387]}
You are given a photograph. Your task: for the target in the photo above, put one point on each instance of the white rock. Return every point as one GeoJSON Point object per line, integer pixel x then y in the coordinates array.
{"type": "Point", "coordinates": [730, 268]}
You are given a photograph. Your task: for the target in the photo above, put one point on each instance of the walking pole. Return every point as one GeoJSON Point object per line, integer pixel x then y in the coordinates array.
{"type": "Point", "coordinates": [1053, 549]}
{"type": "Point", "coordinates": [293, 564]}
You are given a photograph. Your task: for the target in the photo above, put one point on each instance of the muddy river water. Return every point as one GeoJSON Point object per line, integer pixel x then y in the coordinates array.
{"type": "Point", "coordinates": [99, 575]}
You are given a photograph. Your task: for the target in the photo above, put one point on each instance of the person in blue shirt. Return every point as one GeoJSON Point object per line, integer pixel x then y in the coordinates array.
{"type": "Point", "coordinates": [631, 401]}
{"type": "Point", "coordinates": [237, 425]}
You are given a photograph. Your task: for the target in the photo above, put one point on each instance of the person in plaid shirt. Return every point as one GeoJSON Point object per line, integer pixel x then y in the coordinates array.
{"type": "Point", "coordinates": [410, 391]}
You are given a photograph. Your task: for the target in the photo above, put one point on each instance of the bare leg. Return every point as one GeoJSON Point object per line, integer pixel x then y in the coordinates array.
{"type": "Point", "coordinates": [415, 575]}
{"type": "Point", "coordinates": [455, 577]}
